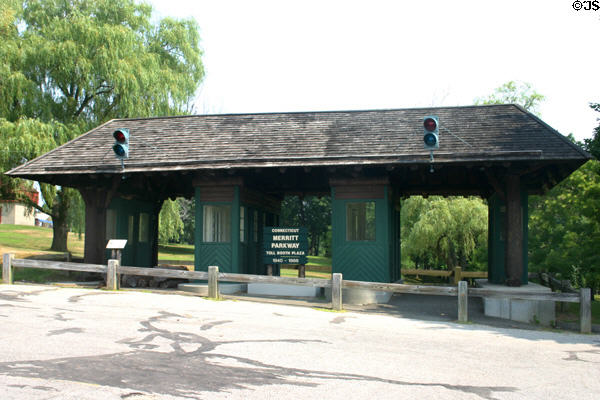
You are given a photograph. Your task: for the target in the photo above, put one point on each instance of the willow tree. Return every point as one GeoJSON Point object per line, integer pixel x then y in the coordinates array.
{"type": "Point", "coordinates": [170, 225]}
{"type": "Point", "coordinates": [438, 232]}
{"type": "Point", "coordinates": [71, 65]}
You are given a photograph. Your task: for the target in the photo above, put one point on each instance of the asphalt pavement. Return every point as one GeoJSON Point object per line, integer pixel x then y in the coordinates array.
{"type": "Point", "coordinates": [65, 343]}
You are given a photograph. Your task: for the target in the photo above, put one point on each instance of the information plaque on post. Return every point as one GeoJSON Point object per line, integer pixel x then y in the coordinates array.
{"type": "Point", "coordinates": [116, 246]}
{"type": "Point", "coordinates": [284, 245]}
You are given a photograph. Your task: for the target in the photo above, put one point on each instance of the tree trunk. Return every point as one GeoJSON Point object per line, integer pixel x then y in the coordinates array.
{"type": "Point", "coordinates": [60, 231]}
{"type": "Point", "coordinates": [60, 227]}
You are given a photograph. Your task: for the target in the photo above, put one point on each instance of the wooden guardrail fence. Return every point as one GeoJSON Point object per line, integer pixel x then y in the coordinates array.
{"type": "Point", "coordinates": [457, 273]}
{"type": "Point", "coordinates": [113, 269]}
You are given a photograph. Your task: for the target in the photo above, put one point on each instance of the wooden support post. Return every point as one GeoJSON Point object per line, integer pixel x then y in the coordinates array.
{"type": "Point", "coordinates": [463, 302]}
{"type": "Point", "coordinates": [336, 292]}
{"type": "Point", "coordinates": [302, 271]}
{"type": "Point", "coordinates": [457, 275]}
{"type": "Point", "coordinates": [585, 310]}
{"type": "Point", "coordinates": [213, 282]}
{"type": "Point", "coordinates": [7, 271]}
{"type": "Point", "coordinates": [112, 282]}
{"type": "Point", "coordinates": [514, 232]}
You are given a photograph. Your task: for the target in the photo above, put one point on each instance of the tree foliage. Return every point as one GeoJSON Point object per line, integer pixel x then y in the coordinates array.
{"type": "Point", "coordinates": [315, 214]}
{"type": "Point", "coordinates": [520, 93]}
{"type": "Point", "coordinates": [444, 233]}
{"type": "Point", "coordinates": [593, 144]}
{"type": "Point", "coordinates": [70, 65]}
{"type": "Point", "coordinates": [170, 225]}
{"type": "Point", "coordinates": [565, 228]}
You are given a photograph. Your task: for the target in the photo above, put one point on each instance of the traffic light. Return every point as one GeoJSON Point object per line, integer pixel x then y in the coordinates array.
{"type": "Point", "coordinates": [121, 146]}
{"type": "Point", "coordinates": [431, 132]}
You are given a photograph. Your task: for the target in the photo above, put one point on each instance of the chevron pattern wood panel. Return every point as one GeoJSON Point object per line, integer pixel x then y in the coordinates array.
{"type": "Point", "coordinates": [214, 254]}
{"type": "Point", "coordinates": [362, 263]}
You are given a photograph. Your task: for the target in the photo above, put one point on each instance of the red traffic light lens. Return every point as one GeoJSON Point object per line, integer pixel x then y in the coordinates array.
{"type": "Point", "coordinates": [119, 136]}
{"type": "Point", "coordinates": [429, 124]}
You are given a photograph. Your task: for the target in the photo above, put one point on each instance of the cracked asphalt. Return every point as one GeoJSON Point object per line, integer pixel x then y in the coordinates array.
{"type": "Point", "coordinates": [65, 343]}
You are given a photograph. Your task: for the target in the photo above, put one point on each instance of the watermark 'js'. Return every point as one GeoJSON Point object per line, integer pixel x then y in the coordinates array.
{"type": "Point", "coordinates": [587, 5]}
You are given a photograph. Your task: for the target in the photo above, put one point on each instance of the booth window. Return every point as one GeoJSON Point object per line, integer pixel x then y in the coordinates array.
{"type": "Point", "coordinates": [111, 224]}
{"type": "Point", "coordinates": [217, 224]}
{"type": "Point", "coordinates": [143, 232]}
{"type": "Point", "coordinates": [242, 224]}
{"type": "Point", "coordinates": [255, 226]}
{"type": "Point", "coordinates": [360, 221]}
{"type": "Point", "coordinates": [130, 221]}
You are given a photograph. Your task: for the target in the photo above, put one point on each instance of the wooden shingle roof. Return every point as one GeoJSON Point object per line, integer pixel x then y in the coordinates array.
{"type": "Point", "coordinates": [467, 134]}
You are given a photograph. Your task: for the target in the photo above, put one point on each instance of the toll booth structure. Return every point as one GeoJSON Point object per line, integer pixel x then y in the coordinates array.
{"type": "Point", "coordinates": [239, 167]}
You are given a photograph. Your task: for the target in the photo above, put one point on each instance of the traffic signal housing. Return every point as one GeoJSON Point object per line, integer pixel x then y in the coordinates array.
{"type": "Point", "coordinates": [121, 146]}
{"type": "Point", "coordinates": [431, 138]}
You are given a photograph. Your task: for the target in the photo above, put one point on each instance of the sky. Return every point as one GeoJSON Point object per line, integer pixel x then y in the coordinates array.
{"type": "Point", "coordinates": [287, 55]}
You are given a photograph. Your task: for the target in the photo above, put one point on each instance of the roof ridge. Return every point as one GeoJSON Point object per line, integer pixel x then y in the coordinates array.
{"type": "Point", "coordinates": [371, 110]}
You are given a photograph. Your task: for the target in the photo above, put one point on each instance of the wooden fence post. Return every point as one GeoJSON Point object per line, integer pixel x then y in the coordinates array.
{"type": "Point", "coordinates": [463, 302]}
{"type": "Point", "coordinates": [302, 271]}
{"type": "Point", "coordinates": [213, 282]}
{"type": "Point", "coordinates": [7, 271]}
{"type": "Point", "coordinates": [336, 292]}
{"type": "Point", "coordinates": [111, 275]}
{"type": "Point", "coordinates": [457, 275]}
{"type": "Point", "coordinates": [585, 310]}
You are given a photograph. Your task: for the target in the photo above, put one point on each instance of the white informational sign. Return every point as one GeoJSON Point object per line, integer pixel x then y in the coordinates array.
{"type": "Point", "coordinates": [116, 244]}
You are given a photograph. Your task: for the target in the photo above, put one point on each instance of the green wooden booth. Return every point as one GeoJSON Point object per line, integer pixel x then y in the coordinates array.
{"type": "Point", "coordinates": [136, 221]}
{"type": "Point", "coordinates": [365, 230]}
{"type": "Point", "coordinates": [230, 218]}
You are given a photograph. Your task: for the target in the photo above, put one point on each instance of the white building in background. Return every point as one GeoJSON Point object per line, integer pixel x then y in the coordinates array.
{"type": "Point", "coordinates": [15, 213]}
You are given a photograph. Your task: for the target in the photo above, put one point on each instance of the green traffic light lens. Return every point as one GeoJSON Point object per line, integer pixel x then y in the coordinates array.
{"type": "Point", "coordinates": [119, 150]}
{"type": "Point", "coordinates": [430, 139]}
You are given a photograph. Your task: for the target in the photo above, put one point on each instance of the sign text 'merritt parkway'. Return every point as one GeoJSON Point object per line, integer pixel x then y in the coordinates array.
{"type": "Point", "coordinates": [285, 245]}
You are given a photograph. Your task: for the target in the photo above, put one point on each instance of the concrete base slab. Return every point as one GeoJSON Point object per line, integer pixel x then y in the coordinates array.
{"type": "Point", "coordinates": [202, 288]}
{"type": "Point", "coordinates": [271, 289]}
{"type": "Point", "coordinates": [531, 311]}
{"type": "Point", "coordinates": [361, 296]}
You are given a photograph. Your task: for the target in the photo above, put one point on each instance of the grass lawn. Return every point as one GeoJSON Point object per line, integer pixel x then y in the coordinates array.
{"type": "Point", "coordinates": [317, 267]}
{"type": "Point", "coordinates": [174, 251]}
{"type": "Point", "coordinates": [26, 241]}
